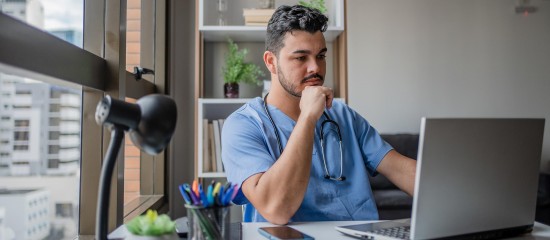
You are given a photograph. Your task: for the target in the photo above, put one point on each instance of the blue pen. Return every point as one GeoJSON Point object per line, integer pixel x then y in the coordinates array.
{"type": "Point", "coordinates": [191, 194]}
{"type": "Point", "coordinates": [227, 185]}
{"type": "Point", "coordinates": [209, 196]}
{"type": "Point", "coordinates": [184, 195]}
{"type": "Point", "coordinates": [218, 197]}
{"type": "Point", "coordinates": [203, 196]}
{"type": "Point", "coordinates": [227, 196]}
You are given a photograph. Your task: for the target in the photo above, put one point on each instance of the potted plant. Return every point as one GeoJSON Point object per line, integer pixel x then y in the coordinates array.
{"type": "Point", "coordinates": [237, 71]}
{"type": "Point", "coordinates": [151, 226]}
{"type": "Point", "coordinates": [315, 4]}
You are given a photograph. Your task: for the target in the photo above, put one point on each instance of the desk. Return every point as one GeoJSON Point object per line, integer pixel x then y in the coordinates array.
{"type": "Point", "coordinates": [325, 230]}
{"type": "Point", "coordinates": [320, 230]}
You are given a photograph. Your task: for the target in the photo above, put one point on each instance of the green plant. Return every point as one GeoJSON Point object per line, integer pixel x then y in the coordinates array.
{"type": "Point", "coordinates": [236, 70]}
{"type": "Point", "coordinates": [151, 224]}
{"type": "Point", "coordinates": [316, 4]}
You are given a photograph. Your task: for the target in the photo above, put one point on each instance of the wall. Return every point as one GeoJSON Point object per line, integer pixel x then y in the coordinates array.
{"type": "Point", "coordinates": [180, 54]}
{"type": "Point", "coordinates": [453, 58]}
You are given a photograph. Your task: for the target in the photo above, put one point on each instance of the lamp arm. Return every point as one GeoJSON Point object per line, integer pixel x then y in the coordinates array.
{"type": "Point", "coordinates": [117, 134]}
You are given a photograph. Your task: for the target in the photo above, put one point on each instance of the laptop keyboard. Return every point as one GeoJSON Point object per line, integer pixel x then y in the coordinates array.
{"type": "Point", "coordinates": [402, 232]}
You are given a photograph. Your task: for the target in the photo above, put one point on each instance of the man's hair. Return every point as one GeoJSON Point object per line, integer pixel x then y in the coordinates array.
{"type": "Point", "coordinates": [290, 18]}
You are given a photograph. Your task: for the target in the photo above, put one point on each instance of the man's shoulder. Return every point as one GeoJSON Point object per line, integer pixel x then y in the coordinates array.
{"type": "Point", "coordinates": [247, 110]}
{"type": "Point", "coordinates": [340, 106]}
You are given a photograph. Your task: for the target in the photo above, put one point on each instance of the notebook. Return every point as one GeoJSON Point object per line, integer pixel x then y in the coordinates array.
{"type": "Point", "coordinates": [476, 178]}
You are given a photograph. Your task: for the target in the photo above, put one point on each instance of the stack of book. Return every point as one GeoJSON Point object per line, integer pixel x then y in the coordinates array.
{"type": "Point", "coordinates": [256, 16]}
{"type": "Point", "coordinates": [212, 146]}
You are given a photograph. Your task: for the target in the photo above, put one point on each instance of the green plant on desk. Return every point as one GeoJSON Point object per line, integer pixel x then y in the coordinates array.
{"type": "Point", "coordinates": [151, 224]}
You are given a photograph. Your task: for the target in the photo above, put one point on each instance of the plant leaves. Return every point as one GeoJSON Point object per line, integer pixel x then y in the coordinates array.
{"type": "Point", "coordinates": [236, 70]}
{"type": "Point", "coordinates": [151, 224]}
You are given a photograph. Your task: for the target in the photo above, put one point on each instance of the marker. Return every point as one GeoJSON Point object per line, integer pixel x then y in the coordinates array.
{"type": "Point", "coordinates": [227, 197]}
{"type": "Point", "coordinates": [235, 191]}
{"type": "Point", "coordinates": [209, 196]}
{"type": "Point", "coordinates": [203, 196]}
{"type": "Point", "coordinates": [216, 189]}
{"type": "Point", "coordinates": [218, 197]}
{"type": "Point", "coordinates": [191, 194]}
{"type": "Point", "coordinates": [195, 187]}
{"type": "Point", "coordinates": [184, 194]}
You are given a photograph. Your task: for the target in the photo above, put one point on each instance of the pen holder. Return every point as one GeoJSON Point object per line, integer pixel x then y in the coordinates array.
{"type": "Point", "coordinates": [208, 223]}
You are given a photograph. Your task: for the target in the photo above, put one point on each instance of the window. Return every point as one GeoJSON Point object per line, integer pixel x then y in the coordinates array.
{"type": "Point", "coordinates": [53, 163]}
{"type": "Point", "coordinates": [53, 135]}
{"type": "Point", "coordinates": [53, 149]}
{"type": "Point", "coordinates": [20, 136]}
{"type": "Point", "coordinates": [20, 147]}
{"type": "Point", "coordinates": [55, 121]}
{"type": "Point", "coordinates": [21, 123]}
{"type": "Point", "coordinates": [51, 98]}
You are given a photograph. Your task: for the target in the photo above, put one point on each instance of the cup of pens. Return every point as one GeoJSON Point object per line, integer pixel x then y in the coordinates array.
{"type": "Point", "coordinates": [208, 209]}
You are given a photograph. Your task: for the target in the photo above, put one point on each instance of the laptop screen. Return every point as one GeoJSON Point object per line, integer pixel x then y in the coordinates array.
{"type": "Point", "coordinates": [476, 175]}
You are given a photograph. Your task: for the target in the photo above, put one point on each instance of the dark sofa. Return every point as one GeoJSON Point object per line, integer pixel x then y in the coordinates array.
{"type": "Point", "coordinates": [393, 203]}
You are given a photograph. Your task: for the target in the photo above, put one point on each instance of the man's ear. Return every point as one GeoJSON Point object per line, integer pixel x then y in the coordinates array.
{"type": "Point", "coordinates": [270, 61]}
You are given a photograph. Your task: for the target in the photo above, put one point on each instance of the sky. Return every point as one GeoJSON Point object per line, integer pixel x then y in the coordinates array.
{"type": "Point", "coordinates": [63, 14]}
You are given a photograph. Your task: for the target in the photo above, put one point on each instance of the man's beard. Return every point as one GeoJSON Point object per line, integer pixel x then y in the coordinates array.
{"type": "Point", "coordinates": [291, 88]}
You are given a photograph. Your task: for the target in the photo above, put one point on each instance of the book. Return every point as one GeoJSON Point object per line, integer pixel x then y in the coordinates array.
{"type": "Point", "coordinates": [258, 11]}
{"type": "Point", "coordinates": [212, 147]}
{"type": "Point", "coordinates": [255, 18]}
{"type": "Point", "coordinates": [218, 145]}
{"type": "Point", "coordinates": [206, 166]}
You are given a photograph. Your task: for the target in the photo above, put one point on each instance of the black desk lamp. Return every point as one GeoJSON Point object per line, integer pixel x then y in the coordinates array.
{"type": "Point", "coordinates": [150, 122]}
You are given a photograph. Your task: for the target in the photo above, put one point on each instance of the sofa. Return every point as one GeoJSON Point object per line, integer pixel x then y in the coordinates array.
{"type": "Point", "coordinates": [393, 203]}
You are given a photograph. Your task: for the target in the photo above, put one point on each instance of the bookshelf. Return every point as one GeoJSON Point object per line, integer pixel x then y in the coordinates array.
{"type": "Point", "coordinates": [213, 109]}
{"type": "Point", "coordinates": [211, 41]}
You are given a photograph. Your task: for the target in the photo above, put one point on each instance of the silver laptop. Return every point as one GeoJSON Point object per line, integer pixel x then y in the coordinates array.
{"type": "Point", "coordinates": [476, 178]}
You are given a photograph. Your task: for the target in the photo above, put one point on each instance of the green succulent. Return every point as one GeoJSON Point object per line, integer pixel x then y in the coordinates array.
{"type": "Point", "coordinates": [236, 70]}
{"type": "Point", "coordinates": [151, 224]}
{"type": "Point", "coordinates": [316, 4]}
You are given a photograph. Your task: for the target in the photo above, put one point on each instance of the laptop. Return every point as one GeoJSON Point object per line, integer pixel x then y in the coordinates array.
{"type": "Point", "coordinates": [475, 179]}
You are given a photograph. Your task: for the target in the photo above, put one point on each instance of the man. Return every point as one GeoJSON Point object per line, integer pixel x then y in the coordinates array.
{"type": "Point", "coordinates": [273, 146]}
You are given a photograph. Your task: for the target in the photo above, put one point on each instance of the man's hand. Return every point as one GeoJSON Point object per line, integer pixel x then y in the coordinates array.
{"type": "Point", "coordinates": [314, 101]}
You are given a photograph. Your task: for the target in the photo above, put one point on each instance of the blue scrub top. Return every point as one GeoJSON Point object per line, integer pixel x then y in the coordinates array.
{"type": "Point", "coordinates": [250, 147]}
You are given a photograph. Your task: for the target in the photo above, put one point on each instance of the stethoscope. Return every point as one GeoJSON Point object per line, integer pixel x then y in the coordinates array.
{"type": "Point", "coordinates": [327, 121]}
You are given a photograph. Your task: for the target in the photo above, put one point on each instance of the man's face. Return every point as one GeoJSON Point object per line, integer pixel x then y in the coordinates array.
{"type": "Point", "coordinates": [301, 62]}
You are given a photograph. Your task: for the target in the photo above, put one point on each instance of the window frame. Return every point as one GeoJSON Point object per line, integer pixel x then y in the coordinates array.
{"type": "Point", "coordinates": [99, 69]}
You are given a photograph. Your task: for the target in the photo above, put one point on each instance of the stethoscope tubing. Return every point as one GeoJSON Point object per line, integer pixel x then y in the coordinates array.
{"type": "Point", "coordinates": [328, 120]}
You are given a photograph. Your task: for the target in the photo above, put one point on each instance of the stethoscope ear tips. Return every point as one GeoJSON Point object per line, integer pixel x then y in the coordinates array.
{"type": "Point", "coordinates": [342, 178]}
{"type": "Point", "coordinates": [327, 177]}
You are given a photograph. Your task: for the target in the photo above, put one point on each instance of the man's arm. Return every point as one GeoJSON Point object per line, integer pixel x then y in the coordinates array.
{"type": "Point", "coordinates": [400, 170]}
{"type": "Point", "coordinates": [278, 193]}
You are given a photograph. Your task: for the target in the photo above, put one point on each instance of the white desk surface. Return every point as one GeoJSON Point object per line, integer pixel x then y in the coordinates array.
{"type": "Point", "coordinates": [325, 230]}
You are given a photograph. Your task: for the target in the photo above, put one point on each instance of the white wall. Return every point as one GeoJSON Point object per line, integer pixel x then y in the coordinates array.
{"type": "Point", "coordinates": [448, 58]}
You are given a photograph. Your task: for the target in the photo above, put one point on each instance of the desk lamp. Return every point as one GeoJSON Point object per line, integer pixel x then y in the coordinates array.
{"type": "Point", "coordinates": [150, 123]}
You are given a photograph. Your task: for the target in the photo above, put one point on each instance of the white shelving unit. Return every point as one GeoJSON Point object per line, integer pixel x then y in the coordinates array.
{"type": "Point", "coordinates": [213, 109]}
{"type": "Point", "coordinates": [210, 54]}
{"type": "Point", "coordinates": [236, 29]}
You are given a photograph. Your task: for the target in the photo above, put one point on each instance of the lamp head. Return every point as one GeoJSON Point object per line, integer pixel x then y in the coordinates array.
{"type": "Point", "coordinates": [151, 121]}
